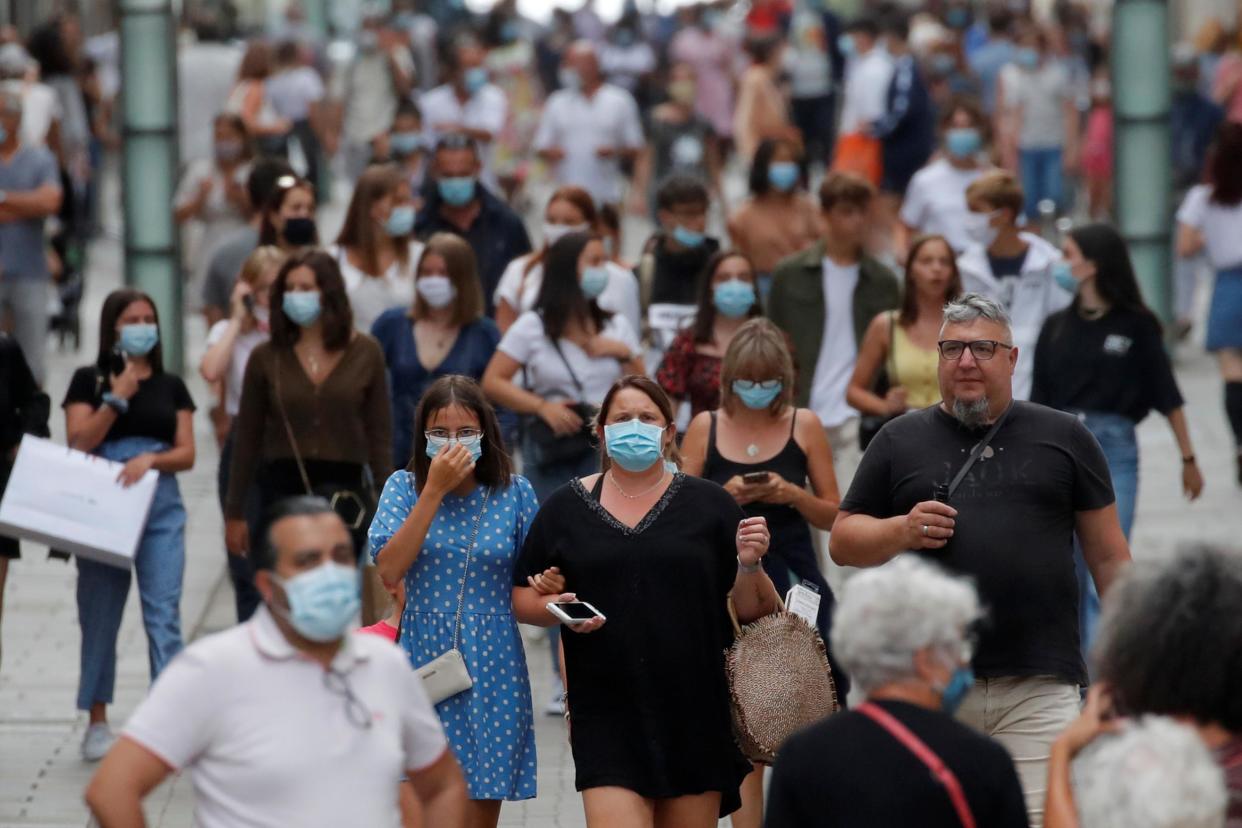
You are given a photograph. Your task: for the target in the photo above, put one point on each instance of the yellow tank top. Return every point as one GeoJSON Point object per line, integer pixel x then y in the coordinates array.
{"type": "Point", "coordinates": [915, 370]}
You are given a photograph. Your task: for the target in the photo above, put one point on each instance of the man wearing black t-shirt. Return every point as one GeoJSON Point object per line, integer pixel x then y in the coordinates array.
{"type": "Point", "coordinates": [1010, 525]}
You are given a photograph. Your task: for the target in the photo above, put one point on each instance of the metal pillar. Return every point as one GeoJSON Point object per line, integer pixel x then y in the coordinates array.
{"type": "Point", "coordinates": [149, 162]}
{"type": "Point", "coordinates": [1142, 184]}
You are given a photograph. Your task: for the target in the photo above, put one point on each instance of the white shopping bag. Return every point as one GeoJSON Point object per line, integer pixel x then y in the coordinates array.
{"type": "Point", "coordinates": [72, 501]}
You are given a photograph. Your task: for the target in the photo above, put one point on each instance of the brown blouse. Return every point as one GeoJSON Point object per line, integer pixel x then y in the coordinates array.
{"type": "Point", "coordinates": [346, 418]}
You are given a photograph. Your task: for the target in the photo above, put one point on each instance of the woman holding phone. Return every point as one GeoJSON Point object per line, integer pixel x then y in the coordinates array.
{"type": "Point", "coordinates": [764, 451]}
{"type": "Point", "coordinates": [658, 553]}
{"type": "Point", "coordinates": [126, 408]}
{"type": "Point", "coordinates": [451, 527]}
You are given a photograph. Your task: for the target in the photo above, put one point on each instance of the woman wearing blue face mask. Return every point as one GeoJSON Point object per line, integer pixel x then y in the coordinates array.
{"type": "Point", "coordinates": [126, 408]}
{"type": "Point", "coordinates": [780, 218]}
{"type": "Point", "coordinates": [727, 298]}
{"type": "Point", "coordinates": [758, 431]}
{"type": "Point", "coordinates": [376, 249]}
{"type": "Point", "coordinates": [451, 526]}
{"type": "Point", "coordinates": [314, 416]}
{"type": "Point", "coordinates": [656, 552]}
{"type": "Point", "coordinates": [904, 632]}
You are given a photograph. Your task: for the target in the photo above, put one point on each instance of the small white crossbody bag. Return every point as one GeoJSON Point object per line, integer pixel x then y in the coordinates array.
{"type": "Point", "coordinates": [446, 675]}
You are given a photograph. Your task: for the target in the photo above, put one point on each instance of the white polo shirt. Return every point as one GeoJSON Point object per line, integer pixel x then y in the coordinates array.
{"type": "Point", "coordinates": [486, 110]}
{"type": "Point", "coordinates": [269, 738]}
{"type": "Point", "coordinates": [580, 127]}
{"type": "Point", "coordinates": [936, 202]}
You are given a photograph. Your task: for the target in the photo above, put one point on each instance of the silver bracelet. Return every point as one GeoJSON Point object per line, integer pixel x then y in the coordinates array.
{"type": "Point", "coordinates": [748, 569]}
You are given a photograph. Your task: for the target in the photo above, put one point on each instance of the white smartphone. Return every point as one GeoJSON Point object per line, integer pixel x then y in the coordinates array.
{"type": "Point", "coordinates": [574, 612]}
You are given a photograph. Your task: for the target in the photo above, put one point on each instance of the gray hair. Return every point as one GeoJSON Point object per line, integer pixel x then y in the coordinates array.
{"type": "Point", "coordinates": [971, 306]}
{"type": "Point", "coordinates": [1156, 773]}
{"type": "Point", "coordinates": [888, 614]}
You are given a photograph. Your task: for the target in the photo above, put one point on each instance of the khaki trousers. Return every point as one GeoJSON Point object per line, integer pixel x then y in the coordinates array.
{"type": "Point", "coordinates": [1025, 715]}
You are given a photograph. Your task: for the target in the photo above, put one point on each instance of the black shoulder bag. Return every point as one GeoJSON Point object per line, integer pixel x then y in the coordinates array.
{"type": "Point", "coordinates": [560, 448]}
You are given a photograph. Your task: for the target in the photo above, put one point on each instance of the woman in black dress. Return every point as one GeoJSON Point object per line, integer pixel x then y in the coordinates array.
{"type": "Point", "coordinates": [657, 552]}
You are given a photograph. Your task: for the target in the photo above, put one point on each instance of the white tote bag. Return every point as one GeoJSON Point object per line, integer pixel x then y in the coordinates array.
{"type": "Point", "coordinates": [72, 501]}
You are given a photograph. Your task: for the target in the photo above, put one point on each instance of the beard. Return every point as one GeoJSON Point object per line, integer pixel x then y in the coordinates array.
{"type": "Point", "coordinates": [972, 414]}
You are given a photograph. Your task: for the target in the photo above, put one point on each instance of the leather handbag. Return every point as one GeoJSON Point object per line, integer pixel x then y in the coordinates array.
{"type": "Point", "coordinates": [869, 425]}
{"type": "Point", "coordinates": [560, 448]}
{"type": "Point", "coordinates": [446, 675]}
{"type": "Point", "coordinates": [779, 681]}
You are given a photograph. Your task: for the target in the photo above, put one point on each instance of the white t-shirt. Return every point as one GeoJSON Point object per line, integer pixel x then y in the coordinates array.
{"type": "Point", "coordinates": [487, 110]}
{"type": "Point", "coordinates": [369, 296]}
{"type": "Point", "coordinates": [546, 374]}
{"type": "Point", "coordinates": [243, 346]}
{"type": "Point", "coordinates": [838, 350]}
{"type": "Point", "coordinates": [936, 202]}
{"type": "Point", "coordinates": [1219, 224]}
{"type": "Point", "coordinates": [40, 107]}
{"type": "Point", "coordinates": [292, 92]}
{"type": "Point", "coordinates": [268, 741]}
{"type": "Point", "coordinates": [520, 289]}
{"type": "Point", "coordinates": [580, 126]}
{"type": "Point", "coordinates": [866, 89]}
{"type": "Point", "coordinates": [1040, 95]}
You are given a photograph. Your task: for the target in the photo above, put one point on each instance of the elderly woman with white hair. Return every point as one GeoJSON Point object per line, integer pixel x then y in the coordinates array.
{"type": "Point", "coordinates": [903, 632]}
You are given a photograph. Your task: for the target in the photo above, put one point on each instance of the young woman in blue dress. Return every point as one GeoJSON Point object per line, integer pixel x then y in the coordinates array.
{"type": "Point", "coordinates": [425, 533]}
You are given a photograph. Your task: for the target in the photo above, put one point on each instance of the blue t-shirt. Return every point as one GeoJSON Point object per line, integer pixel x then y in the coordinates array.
{"type": "Point", "coordinates": [408, 378]}
{"type": "Point", "coordinates": [21, 242]}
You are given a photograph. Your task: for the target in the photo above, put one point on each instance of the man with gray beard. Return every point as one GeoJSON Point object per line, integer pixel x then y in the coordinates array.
{"type": "Point", "coordinates": [1034, 477]}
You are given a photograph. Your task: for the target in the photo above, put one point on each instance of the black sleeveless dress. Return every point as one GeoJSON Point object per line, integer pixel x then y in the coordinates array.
{"type": "Point", "coordinates": [792, 552]}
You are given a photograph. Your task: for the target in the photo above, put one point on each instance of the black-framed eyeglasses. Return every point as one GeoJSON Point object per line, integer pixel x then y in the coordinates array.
{"type": "Point", "coordinates": [980, 349]}
{"type": "Point", "coordinates": [355, 711]}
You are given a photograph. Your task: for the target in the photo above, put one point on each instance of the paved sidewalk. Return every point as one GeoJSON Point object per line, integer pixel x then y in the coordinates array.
{"type": "Point", "coordinates": [42, 776]}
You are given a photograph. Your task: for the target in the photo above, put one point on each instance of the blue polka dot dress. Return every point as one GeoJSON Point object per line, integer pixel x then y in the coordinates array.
{"type": "Point", "coordinates": [490, 727]}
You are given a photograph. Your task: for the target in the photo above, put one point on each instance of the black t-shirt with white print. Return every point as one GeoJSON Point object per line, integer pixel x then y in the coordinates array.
{"type": "Point", "coordinates": [1014, 530]}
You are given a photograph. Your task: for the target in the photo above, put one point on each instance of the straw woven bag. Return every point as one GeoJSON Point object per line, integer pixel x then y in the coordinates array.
{"type": "Point", "coordinates": [779, 681]}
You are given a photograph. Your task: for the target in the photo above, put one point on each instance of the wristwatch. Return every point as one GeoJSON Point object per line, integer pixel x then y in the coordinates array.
{"type": "Point", "coordinates": [748, 569]}
{"type": "Point", "coordinates": [118, 404]}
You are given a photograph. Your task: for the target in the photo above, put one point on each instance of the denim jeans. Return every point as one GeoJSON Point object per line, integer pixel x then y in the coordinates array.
{"type": "Point", "coordinates": [241, 573]}
{"type": "Point", "coordinates": [1040, 170]}
{"type": "Point", "coordinates": [102, 589]}
{"type": "Point", "coordinates": [1115, 435]}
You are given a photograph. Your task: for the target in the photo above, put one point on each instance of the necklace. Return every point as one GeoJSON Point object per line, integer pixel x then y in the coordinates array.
{"type": "Point", "coordinates": [312, 363]}
{"type": "Point", "coordinates": [644, 492]}
{"type": "Point", "coordinates": [1091, 313]}
{"type": "Point", "coordinates": [752, 450]}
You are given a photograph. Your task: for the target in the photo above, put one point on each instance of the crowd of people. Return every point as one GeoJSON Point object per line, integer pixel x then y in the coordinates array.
{"type": "Point", "coordinates": [467, 406]}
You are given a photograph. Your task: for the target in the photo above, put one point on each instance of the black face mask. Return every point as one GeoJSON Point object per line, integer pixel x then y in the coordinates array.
{"type": "Point", "coordinates": [299, 232]}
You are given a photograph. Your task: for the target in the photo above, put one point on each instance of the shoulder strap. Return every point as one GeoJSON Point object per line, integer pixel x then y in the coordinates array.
{"type": "Point", "coordinates": [978, 450]}
{"type": "Point", "coordinates": [280, 406]}
{"type": "Point", "coordinates": [939, 770]}
{"type": "Point", "coordinates": [465, 575]}
{"type": "Point", "coordinates": [572, 376]}
{"type": "Point", "coordinates": [892, 348]}
{"type": "Point", "coordinates": [793, 423]}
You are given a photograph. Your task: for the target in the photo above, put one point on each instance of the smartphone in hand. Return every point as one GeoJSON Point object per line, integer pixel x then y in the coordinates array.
{"type": "Point", "coordinates": [756, 478]}
{"type": "Point", "coordinates": [574, 612]}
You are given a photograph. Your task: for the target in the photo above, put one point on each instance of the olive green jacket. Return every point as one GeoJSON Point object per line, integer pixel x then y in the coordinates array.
{"type": "Point", "coordinates": [796, 305]}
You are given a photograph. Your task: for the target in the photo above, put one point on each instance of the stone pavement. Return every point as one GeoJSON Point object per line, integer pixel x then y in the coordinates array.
{"type": "Point", "coordinates": [42, 776]}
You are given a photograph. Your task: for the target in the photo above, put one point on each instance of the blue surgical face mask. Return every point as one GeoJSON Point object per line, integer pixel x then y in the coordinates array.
{"type": "Point", "coordinates": [845, 44]}
{"type": "Point", "coordinates": [437, 291]}
{"type": "Point", "coordinates": [963, 142]}
{"type": "Point", "coordinates": [783, 175]}
{"type": "Point", "coordinates": [687, 237]}
{"type": "Point", "coordinates": [301, 306]}
{"type": "Point", "coordinates": [757, 396]}
{"type": "Point", "coordinates": [405, 143]}
{"type": "Point", "coordinates": [954, 693]}
{"type": "Point", "coordinates": [474, 445]}
{"type": "Point", "coordinates": [634, 445]}
{"type": "Point", "coordinates": [139, 339]}
{"type": "Point", "coordinates": [456, 191]}
{"type": "Point", "coordinates": [1064, 276]}
{"type": "Point", "coordinates": [400, 221]}
{"type": "Point", "coordinates": [1026, 57]}
{"type": "Point", "coordinates": [322, 602]}
{"type": "Point", "coordinates": [734, 298]}
{"type": "Point", "coordinates": [570, 79]}
{"type": "Point", "coordinates": [475, 79]}
{"type": "Point", "coordinates": [594, 280]}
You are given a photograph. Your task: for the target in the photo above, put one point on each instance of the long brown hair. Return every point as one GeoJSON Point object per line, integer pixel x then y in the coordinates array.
{"type": "Point", "coordinates": [114, 305]}
{"type": "Point", "coordinates": [494, 468]}
{"type": "Point", "coordinates": [909, 298]}
{"type": "Point", "coordinates": [463, 272]}
{"type": "Point", "coordinates": [360, 232]}
{"type": "Point", "coordinates": [656, 394]}
{"type": "Point", "coordinates": [336, 316]}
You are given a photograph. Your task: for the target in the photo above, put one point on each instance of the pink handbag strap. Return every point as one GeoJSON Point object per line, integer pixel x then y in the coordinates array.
{"type": "Point", "coordinates": [926, 755]}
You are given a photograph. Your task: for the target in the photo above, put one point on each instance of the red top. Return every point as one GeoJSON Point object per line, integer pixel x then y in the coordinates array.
{"type": "Point", "coordinates": [383, 629]}
{"type": "Point", "coordinates": [687, 374]}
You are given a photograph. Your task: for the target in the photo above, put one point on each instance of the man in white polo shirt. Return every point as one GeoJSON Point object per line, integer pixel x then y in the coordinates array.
{"type": "Point", "coordinates": [469, 103]}
{"type": "Point", "coordinates": [588, 128]}
{"type": "Point", "coordinates": [286, 719]}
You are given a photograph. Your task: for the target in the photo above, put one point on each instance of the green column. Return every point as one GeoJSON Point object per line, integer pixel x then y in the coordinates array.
{"type": "Point", "coordinates": [149, 163]}
{"type": "Point", "coordinates": [1142, 182]}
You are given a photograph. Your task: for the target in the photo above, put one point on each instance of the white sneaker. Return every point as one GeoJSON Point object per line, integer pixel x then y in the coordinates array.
{"type": "Point", "coordinates": [556, 704]}
{"type": "Point", "coordinates": [97, 741]}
